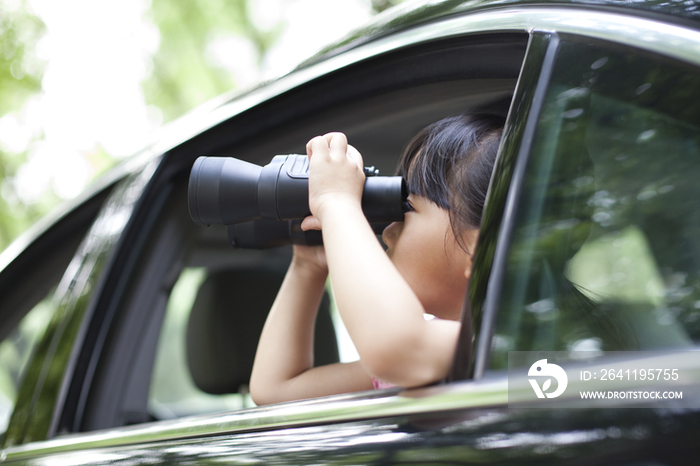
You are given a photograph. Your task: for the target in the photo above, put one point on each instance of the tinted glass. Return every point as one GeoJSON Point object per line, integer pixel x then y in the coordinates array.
{"type": "Point", "coordinates": [15, 351]}
{"type": "Point", "coordinates": [605, 254]}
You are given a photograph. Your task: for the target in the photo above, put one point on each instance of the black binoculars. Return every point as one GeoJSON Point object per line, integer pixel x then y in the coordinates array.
{"type": "Point", "coordinates": [264, 206]}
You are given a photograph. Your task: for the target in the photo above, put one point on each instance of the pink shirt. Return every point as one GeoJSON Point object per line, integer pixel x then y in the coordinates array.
{"type": "Point", "coordinates": [379, 384]}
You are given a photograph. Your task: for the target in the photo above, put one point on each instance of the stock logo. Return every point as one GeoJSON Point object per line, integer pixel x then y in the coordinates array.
{"type": "Point", "coordinates": [542, 369]}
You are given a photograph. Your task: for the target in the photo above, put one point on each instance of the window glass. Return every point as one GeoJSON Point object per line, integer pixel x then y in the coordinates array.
{"type": "Point", "coordinates": [15, 352]}
{"type": "Point", "coordinates": [605, 253]}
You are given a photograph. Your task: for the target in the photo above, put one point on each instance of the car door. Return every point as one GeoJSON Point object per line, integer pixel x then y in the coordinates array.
{"type": "Point", "coordinates": [465, 421]}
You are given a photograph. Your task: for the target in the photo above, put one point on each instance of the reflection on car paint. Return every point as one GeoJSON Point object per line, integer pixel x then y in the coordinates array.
{"type": "Point", "coordinates": [35, 408]}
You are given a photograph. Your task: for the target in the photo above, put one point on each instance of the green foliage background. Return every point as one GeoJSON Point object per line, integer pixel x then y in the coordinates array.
{"type": "Point", "coordinates": [180, 79]}
{"type": "Point", "coordinates": [20, 78]}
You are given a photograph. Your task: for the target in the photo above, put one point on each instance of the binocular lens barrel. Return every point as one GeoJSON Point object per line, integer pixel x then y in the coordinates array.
{"type": "Point", "coordinates": [228, 191]}
{"type": "Point", "coordinates": [265, 234]}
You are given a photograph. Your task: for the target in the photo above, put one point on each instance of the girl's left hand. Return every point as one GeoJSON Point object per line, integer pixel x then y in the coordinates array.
{"type": "Point", "coordinates": [312, 258]}
{"type": "Point", "coordinates": [336, 177]}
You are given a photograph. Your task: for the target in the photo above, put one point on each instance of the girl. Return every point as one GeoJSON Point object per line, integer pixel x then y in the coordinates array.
{"type": "Point", "coordinates": [382, 297]}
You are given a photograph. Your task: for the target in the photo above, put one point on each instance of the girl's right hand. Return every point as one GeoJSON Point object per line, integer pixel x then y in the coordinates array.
{"type": "Point", "coordinates": [312, 258]}
{"type": "Point", "coordinates": [336, 177]}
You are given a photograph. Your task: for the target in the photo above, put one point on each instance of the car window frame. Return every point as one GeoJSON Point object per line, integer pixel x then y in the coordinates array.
{"type": "Point", "coordinates": [35, 263]}
{"type": "Point", "coordinates": [481, 303]}
{"type": "Point", "coordinates": [502, 199]}
{"type": "Point", "coordinates": [52, 242]}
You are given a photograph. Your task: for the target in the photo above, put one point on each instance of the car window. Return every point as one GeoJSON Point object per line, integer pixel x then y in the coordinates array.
{"type": "Point", "coordinates": [181, 336]}
{"type": "Point", "coordinates": [15, 352]}
{"type": "Point", "coordinates": [606, 245]}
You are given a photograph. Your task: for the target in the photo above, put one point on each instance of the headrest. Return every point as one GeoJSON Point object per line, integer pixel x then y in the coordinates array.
{"type": "Point", "coordinates": [225, 324]}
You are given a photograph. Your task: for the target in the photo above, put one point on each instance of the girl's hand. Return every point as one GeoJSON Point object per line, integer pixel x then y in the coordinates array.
{"type": "Point", "coordinates": [311, 258]}
{"type": "Point", "coordinates": [336, 176]}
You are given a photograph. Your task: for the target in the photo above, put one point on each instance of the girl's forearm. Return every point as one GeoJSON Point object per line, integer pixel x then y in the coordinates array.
{"type": "Point", "coordinates": [285, 349]}
{"type": "Point", "coordinates": [382, 313]}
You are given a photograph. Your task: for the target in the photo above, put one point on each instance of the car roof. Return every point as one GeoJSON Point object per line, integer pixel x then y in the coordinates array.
{"type": "Point", "coordinates": [413, 13]}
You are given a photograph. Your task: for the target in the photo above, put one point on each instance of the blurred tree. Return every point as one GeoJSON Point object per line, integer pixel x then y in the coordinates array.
{"type": "Point", "coordinates": [20, 78]}
{"type": "Point", "coordinates": [20, 71]}
{"type": "Point", "coordinates": [381, 5]}
{"type": "Point", "coordinates": [185, 69]}
{"type": "Point", "coordinates": [204, 47]}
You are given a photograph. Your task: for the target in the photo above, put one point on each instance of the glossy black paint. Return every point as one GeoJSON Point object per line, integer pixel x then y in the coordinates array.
{"type": "Point", "coordinates": [44, 385]}
{"type": "Point", "coordinates": [486, 436]}
{"type": "Point", "coordinates": [401, 18]}
{"type": "Point", "coordinates": [54, 248]}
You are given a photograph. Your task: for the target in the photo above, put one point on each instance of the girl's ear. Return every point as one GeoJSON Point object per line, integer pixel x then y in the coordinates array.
{"type": "Point", "coordinates": [468, 271]}
{"type": "Point", "coordinates": [472, 237]}
{"type": "Point", "coordinates": [468, 268]}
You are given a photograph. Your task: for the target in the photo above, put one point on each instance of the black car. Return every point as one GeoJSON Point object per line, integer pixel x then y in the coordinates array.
{"type": "Point", "coordinates": [136, 328]}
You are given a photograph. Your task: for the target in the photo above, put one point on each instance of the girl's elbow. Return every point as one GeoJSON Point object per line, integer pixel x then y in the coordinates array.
{"type": "Point", "coordinates": [257, 394]}
{"type": "Point", "coordinates": [402, 365]}
{"type": "Point", "coordinates": [378, 357]}
{"type": "Point", "coordinates": [410, 376]}
{"type": "Point", "coordinates": [264, 397]}
{"type": "Point", "coordinates": [262, 392]}
{"type": "Point", "coordinates": [385, 363]}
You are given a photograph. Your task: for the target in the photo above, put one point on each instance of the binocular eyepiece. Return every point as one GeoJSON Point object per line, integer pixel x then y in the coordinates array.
{"type": "Point", "coordinates": [229, 191]}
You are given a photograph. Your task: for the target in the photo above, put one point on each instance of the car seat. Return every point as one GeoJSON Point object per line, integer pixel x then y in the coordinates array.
{"type": "Point", "coordinates": [225, 325]}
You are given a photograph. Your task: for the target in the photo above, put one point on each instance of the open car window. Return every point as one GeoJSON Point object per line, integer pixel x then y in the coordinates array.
{"type": "Point", "coordinates": [209, 335]}
{"type": "Point", "coordinates": [605, 253]}
{"type": "Point", "coordinates": [186, 329]}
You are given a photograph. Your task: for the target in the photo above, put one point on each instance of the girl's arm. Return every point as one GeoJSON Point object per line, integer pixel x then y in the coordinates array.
{"type": "Point", "coordinates": [283, 368]}
{"type": "Point", "coordinates": [380, 310]}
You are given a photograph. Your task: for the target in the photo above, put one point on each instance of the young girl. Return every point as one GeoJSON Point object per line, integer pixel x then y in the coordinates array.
{"type": "Point", "coordinates": [382, 297]}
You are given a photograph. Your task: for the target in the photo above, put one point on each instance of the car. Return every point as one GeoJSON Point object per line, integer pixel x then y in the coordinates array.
{"type": "Point", "coordinates": [135, 328]}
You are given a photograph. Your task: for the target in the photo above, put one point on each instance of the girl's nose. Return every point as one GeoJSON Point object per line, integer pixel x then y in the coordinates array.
{"type": "Point", "coordinates": [391, 233]}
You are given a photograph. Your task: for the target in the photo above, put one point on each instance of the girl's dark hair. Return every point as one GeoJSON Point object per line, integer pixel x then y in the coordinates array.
{"type": "Point", "coordinates": [450, 163]}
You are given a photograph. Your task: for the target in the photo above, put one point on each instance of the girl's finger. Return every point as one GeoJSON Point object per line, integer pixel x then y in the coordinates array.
{"type": "Point", "coordinates": [310, 223]}
{"type": "Point", "coordinates": [355, 156]}
{"type": "Point", "coordinates": [338, 144]}
{"type": "Point", "coordinates": [317, 146]}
